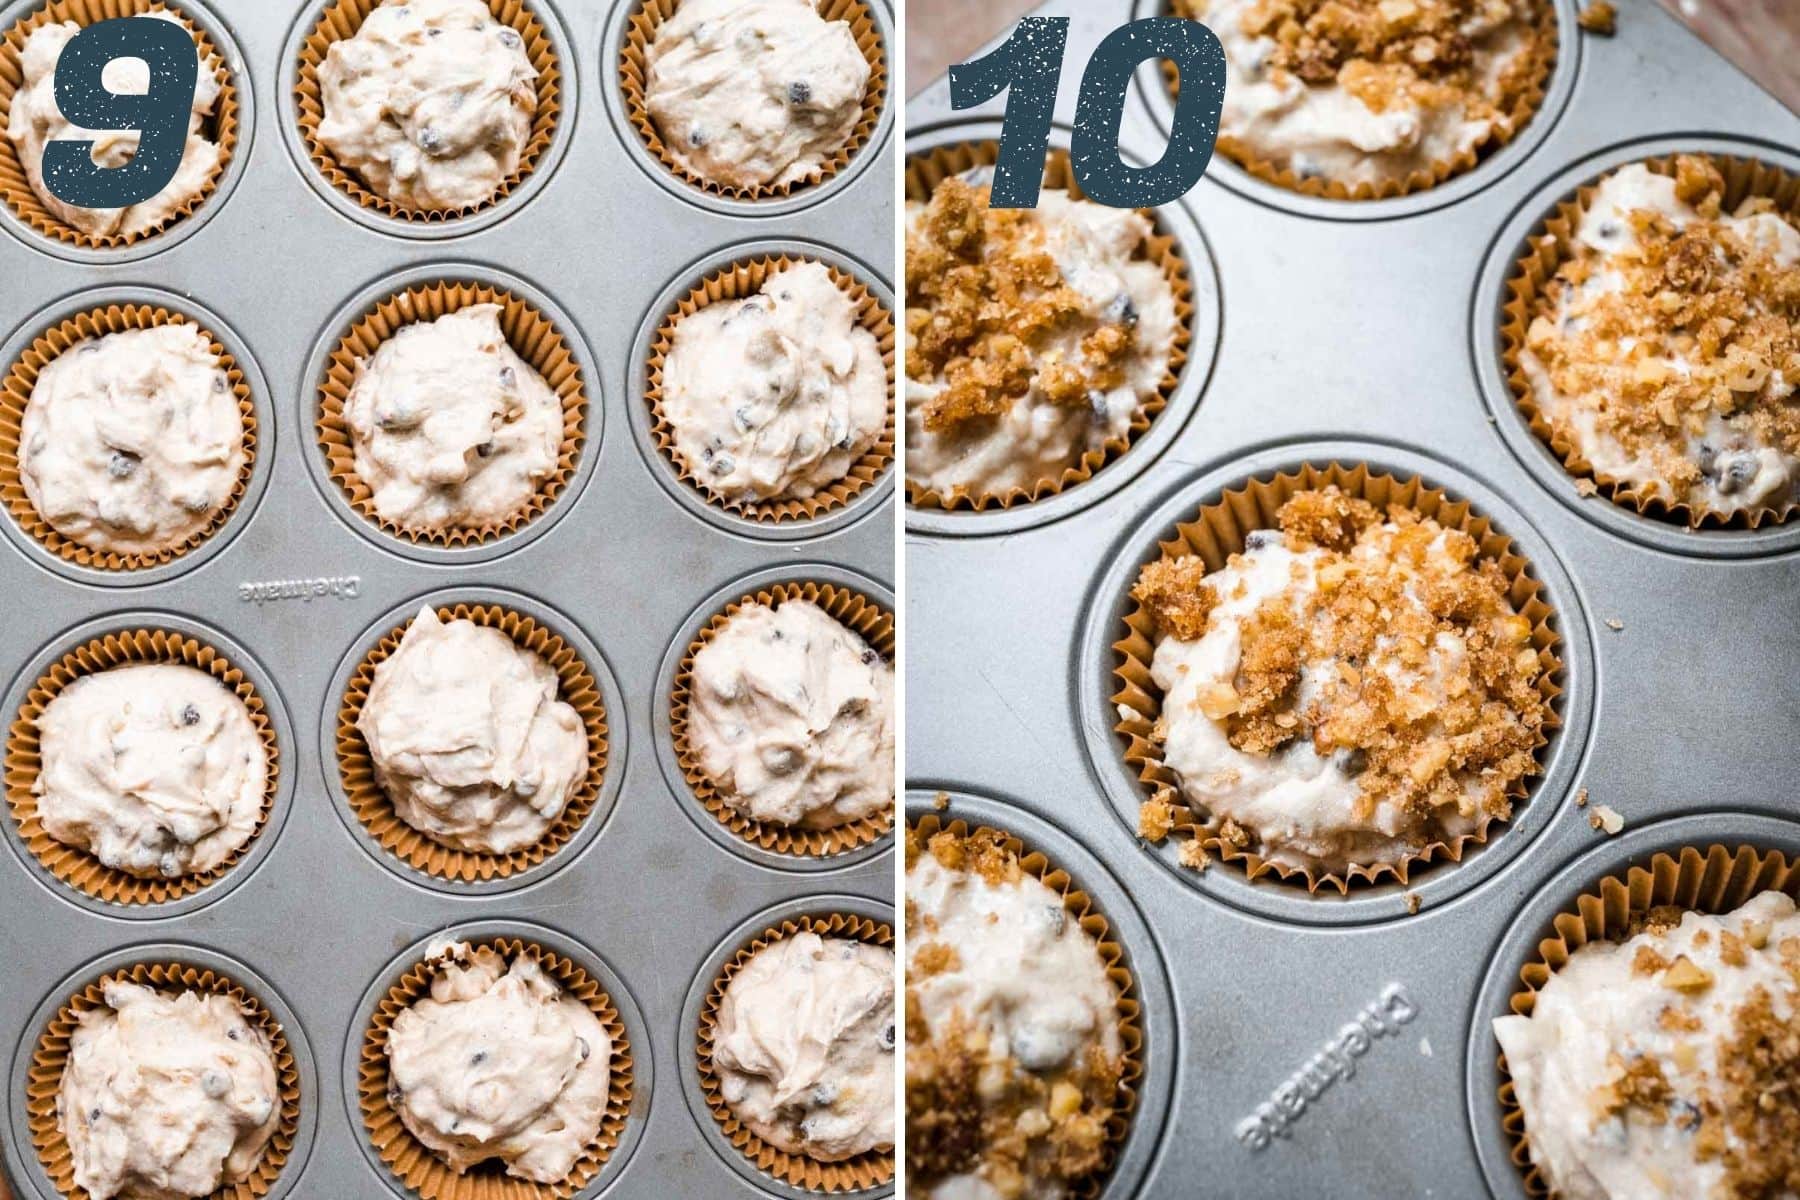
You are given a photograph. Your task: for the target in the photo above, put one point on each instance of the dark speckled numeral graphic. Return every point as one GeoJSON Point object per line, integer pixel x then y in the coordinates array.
{"type": "Point", "coordinates": [1027, 67]}
{"type": "Point", "coordinates": [160, 115]}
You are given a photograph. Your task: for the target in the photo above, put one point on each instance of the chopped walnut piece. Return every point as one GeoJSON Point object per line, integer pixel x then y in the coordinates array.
{"type": "Point", "coordinates": [1600, 17]}
{"type": "Point", "coordinates": [1684, 976]}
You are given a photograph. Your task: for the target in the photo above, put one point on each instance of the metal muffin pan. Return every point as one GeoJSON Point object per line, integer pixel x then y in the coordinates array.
{"type": "Point", "coordinates": [313, 918]}
{"type": "Point", "coordinates": [1346, 336]}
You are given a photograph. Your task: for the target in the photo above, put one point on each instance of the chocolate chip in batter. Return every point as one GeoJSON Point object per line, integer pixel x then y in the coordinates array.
{"type": "Point", "coordinates": [511, 38]}
{"type": "Point", "coordinates": [1122, 311]}
{"type": "Point", "coordinates": [887, 1036]}
{"type": "Point", "coordinates": [870, 658]}
{"type": "Point", "coordinates": [479, 1057]}
{"type": "Point", "coordinates": [696, 137]}
{"type": "Point", "coordinates": [93, 1115]}
{"type": "Point", "coordinates": [1262, 539]}
{"type": "Point", "coordinates": [509, 378]}
{"type": "Point", "coordinates": [216, 1084]}
{"type": "Point", "coordinates": [722, 464]}
{"type": "Point", "coordinates": [824, 1095]}
{"type": "Point", "coordinates": [799, 92]}
{"type": "Point", "coordinates": [586, 1050]}
{"type": "Point", "coordinates": [219, 382]}
{"type": "Point", "coordinates": [743, 420]}
{"type": "Point", "coordinates": [485, 450]}
{"type": "Point", "coordinates": [430, 140]}
{"type": "Point", "coordinates": [123, 463]}
{"type": "Point", "coordinates": [190, 715]}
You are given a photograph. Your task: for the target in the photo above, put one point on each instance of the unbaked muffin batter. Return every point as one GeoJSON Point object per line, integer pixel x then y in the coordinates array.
{"type": "Point", "coordinates": [452, 429]}
{"type": "Point", "coordinates": [431, 102]}
{"type": "Point", "coordinates": [500, 1063]}
{"type": "Point", "coordinates": [36, 120]}
{"type": "Point", "coordinates": [792, 717]}
{"type": "Point", "coordinates": [166, 1097]}
{"type": "Point", "coordinates": [776, 396]}
{"type": "Point", "coordinates": [1349, 689]}
{"type": "Point", "coordinates": [1367, 91]}
{"type": "Point", "coordinates": [1014, 1054]}
{"type": "Point", "coordinates": [470, 742]}
{"type": "Point", "coordinates": [752, 93]}
{"type": "Point", "coordinates": [804, 1046]}
{"type": "Point", "coordinates": [1669, 351]}
{"type": "Point", "coordinates": [132, 442]}
{"type": "Point", "coordinates": [155, 769]}
{"type": "Point", "coordinates": [1667, 1066]}
{"type": "Point", "coordinates": [1033, 335]}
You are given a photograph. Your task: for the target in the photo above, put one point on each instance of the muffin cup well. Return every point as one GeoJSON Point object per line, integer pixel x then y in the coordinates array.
{"type": "Point", "coordinates": [737, 282]}
{"type": "Point", "coordinates": [15, 188]}
{"type": "Point", "coordinates": [1714, 880]}
{"type": "Point", "coordinates": [1219, 530]}
{"type": "Point", "coordinates": [1544, 52]}
{"type": "Point", "coordinates": [576, 686]}
{"type": "Point", "coordinates": [634, 83]}
{"type": "Point", "coordinates": [15, 395]}
{"type": "Point", "coordinates": [412, 1162]}
{"type": "Point", "coordinates": [1079, 905]}
{"type": "Point", "coordinates": [924, 172]}
{"type": "Point", "coordinates": [340, 20]}
{"type": "Point", "coordinates": [533, 337]}
{"type": "Point", "coordinates": [870, 1169]}
{"type": "Point", "coordinates": [51, 1057]}
{"type": "Point", "coordinates": [854, 611]}
{"type": "Point", "coordinates": [78, 868]}
{"type": "Point", "coordinates": [1527, 298]}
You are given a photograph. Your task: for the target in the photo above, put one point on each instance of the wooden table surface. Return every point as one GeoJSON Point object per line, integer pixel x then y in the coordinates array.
{"type": "Point", "coordinates": [1761, 36]}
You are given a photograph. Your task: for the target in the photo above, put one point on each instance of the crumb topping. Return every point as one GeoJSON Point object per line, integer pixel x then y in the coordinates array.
{"type": "Point", "coordinates": [971, 1109]}
{"type": "Point", "coordinates": [1703, 325]}
{"type": "Point", "coordinates": [1358, 662]}
{"type": "Point", "coordinates": [1396, 53]}
{"type": "Point", "coordinates": [1600, 17]}
{"type": "Point", "coordinates": [984, 296]}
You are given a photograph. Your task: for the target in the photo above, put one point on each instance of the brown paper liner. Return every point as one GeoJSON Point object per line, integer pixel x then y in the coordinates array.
{"type": "Point", "coordinates": [735, 283]}
{"type": "Point", "coordinates": [340, 20]}
{"type": "Point", "coordinates": [856, 612]}
{"type": "Point", "coordinates": [78, 868]}
{"type": "Point", "coordinates": [1544, 53]}
{"type": "Point", "coordinates": [429, 1176]}
{"type": "Point", "coordinates": [15, 395]}
{"type": "Point", "coordinates": [634, 81]}
{"type": "Point", "coordinates": [221, 128]}
{"type": "Point", "coordinates": [576, 687]}
{"type": "Point", "coordinates": [867, 1170]}
{"type": "Point", "coordinates": [1094, 924]}
{"type": "Point", "coordinates": [1216, 532]}
{"type": "Point", "coordinates": [1716, 880]}
{"type": "Point", "coordinates": [52, 1056]}
{"type": "Point", "coordinates": [533, 338]}
{"type": "Point", "coordinates": [924, 172]}
{"type": "Point", "coordinates": [1552, 245]}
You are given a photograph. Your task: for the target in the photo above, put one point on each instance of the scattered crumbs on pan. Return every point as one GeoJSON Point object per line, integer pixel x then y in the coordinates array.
{"type": "Point", "coordinates": [941, 801]}
{"type": "Point", "coordinates": [1614, 624]}
{"type": "Point", "coordinates": [1194, 855]}
{"type": "Point", "coordinates": [1606, 820]}
{"type": "Point", "coordinates": [1600, 17]}
{"type": "Point", "coordinates": [1585, 487]}
{"type": "Point", "coordinates": [1581, 798]}
{"type": "Point", "coordinates": [1425, 1047]}
{"type": "Point", "coordinates": [1414, 902]}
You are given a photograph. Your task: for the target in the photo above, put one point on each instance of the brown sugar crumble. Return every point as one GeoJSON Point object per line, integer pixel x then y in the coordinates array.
{"type": "Point", "coordinates": [1390, 53]}
{"type": "Point", "coordinates": [970, 1108]}
{"type": "Point", "coordinates": [984, 297]}
{"type": "Point", "coordinates": [1430, 730]}
{"type": "Point", "coordinates": [1600, 17]}
{"type": "Point", "coordinates": [1703, 326]}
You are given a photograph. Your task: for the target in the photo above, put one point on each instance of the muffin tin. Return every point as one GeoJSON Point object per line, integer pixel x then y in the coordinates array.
{"type": "Point", "coordinates": [1364, 332]}
{"type": "Point", "coordinates": [316, 916]}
